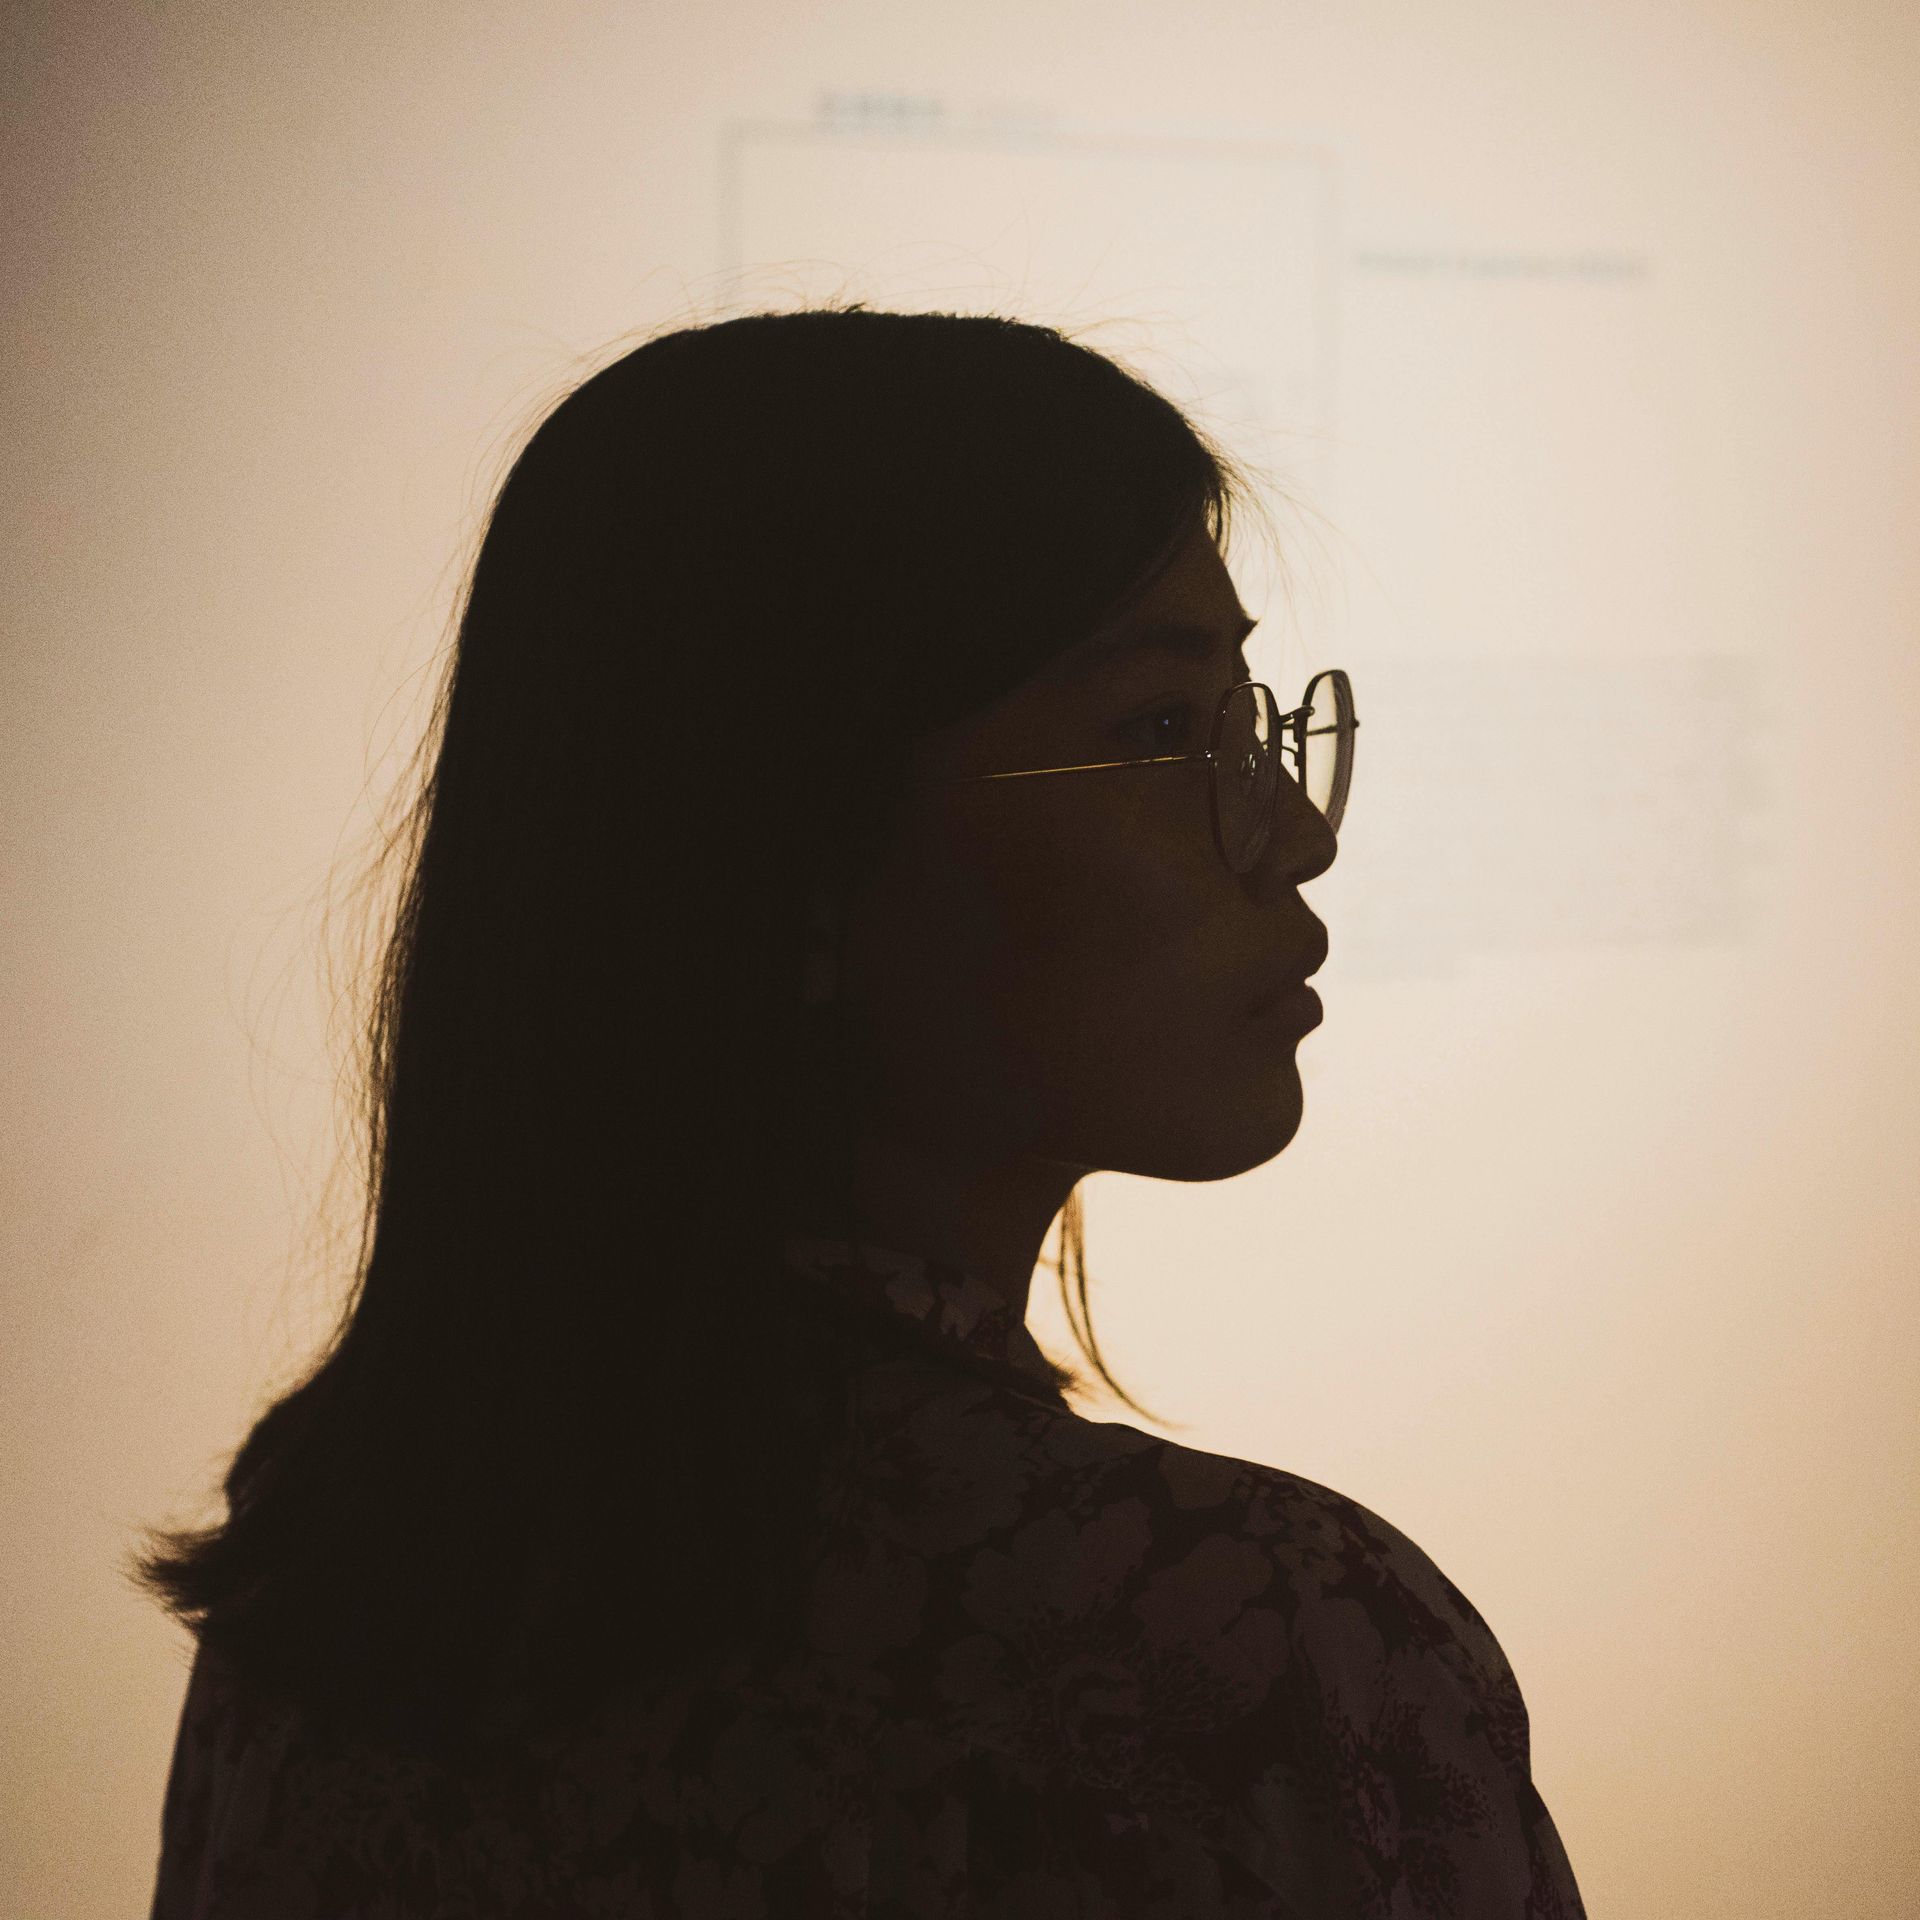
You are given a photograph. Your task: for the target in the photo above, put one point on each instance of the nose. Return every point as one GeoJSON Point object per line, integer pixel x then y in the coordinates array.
{"type": "Point", "coordinates": [1316, 846]}
{"type": "Point", "coordinates": [1301, 844]}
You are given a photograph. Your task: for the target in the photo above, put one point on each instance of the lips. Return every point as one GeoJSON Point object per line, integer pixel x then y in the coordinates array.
{"type": "Point", "coordinates": [1298, 1009]}
{"type": "Point", "coordinates": [1285, 990]}
{"type": "Point", "coordinates": [1280, 989]}
{"type": "Point", "coordinates": [1273, 998]}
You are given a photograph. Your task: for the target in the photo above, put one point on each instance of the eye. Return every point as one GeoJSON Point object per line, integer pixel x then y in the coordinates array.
{"type": "Point", "coordinates": [1166, 729]}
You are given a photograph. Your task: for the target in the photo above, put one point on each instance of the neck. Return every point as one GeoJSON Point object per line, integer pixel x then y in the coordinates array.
{"type": "Point", "coordinates": [991, 1220]}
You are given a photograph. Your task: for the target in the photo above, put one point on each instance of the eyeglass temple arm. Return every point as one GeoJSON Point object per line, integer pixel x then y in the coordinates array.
{"type": "Point", "coordinates": [1157, 760]}
{"type": "Point", "coordinates": [1091, 766]}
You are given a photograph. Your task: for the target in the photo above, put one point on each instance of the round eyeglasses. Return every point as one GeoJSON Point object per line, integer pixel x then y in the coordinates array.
{"type": "Point", "coordinates": [1246, 749]}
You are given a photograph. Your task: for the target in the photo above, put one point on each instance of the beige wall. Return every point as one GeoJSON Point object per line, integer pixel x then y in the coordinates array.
{"type": "Point", "coordinates": [1590, 336]}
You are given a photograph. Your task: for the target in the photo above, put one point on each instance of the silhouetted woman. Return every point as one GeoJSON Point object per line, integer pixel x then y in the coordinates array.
{"type": "Point", "coordinates": [681, 1521]}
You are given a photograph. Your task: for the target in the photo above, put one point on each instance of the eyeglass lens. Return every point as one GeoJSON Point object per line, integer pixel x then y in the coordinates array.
{"type": "Point", "coordinates": [1251, 746]}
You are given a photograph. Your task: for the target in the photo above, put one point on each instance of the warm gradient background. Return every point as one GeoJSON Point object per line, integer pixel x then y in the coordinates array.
{"type": "Point", "coordinates": [1587, 337]}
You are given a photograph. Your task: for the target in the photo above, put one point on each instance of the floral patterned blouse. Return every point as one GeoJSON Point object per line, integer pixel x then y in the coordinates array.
{"type": "Point", "coordinates": [1050, 1667]}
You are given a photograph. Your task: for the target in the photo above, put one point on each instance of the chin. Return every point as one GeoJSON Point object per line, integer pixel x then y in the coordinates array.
{"type": "Point", "coordinates": [1219, 1153]}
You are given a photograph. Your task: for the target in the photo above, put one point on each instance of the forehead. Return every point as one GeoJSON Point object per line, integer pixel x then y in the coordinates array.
{"type": "Point", "coordinates": [1190, 611]}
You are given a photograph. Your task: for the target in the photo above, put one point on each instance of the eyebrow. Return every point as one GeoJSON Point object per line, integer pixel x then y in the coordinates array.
{"type": "Point", "coordinates": [1186, 639]}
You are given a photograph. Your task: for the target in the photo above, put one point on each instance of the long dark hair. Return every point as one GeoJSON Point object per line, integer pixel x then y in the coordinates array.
{"type": "Point", "coordinates": [570, 1425]}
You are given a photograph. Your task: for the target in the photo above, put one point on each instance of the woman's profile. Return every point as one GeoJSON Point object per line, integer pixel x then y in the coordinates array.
{"type": "Point", "coordinates": [848, 821]}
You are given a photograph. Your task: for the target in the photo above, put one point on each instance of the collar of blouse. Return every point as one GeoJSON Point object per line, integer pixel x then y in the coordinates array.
{"type": "Point", "coordinates": [955, 1306]}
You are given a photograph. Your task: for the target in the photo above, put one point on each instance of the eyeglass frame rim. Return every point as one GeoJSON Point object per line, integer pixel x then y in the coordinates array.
{"type": "Point", "coordinates": [1211, 750]}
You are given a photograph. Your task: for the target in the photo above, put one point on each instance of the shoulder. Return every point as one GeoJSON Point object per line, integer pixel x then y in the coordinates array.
{"type": "Point", "coordinates": [1228, 1645]}
{"type": "Point", "coordinates": [1010, 1550]}
{"type": "Point", "coordinates": [1137, 1522]}
{"type": "Point", "coordinates": [938, 1429]}
{"type": "Point", "coordinates": [1325, 1632]}
{"type": "Point", "coordinates": [1201, 1539]}
{"type": "Point", "coordinates": [1382, 1646]}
